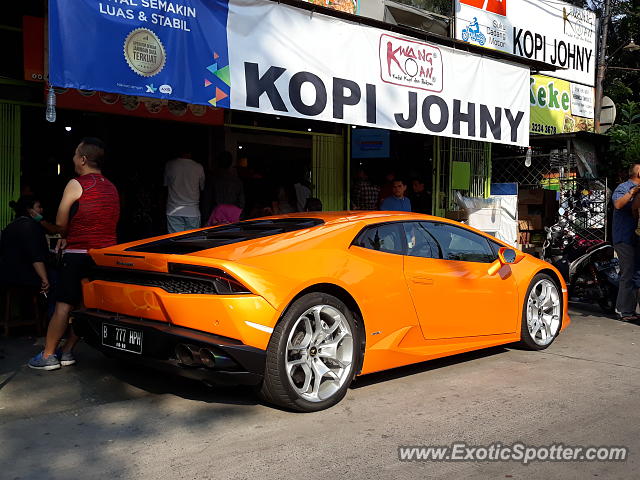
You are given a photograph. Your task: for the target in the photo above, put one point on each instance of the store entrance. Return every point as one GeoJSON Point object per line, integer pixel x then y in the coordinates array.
{"type": "Point", "coordinates": [137, 149]}
{"type": "Point", "coordinates": [294, 165]}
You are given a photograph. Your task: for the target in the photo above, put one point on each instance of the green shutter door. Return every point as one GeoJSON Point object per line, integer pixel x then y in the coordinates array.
{"type": "Point", "coordinates": [9, 159]}
{"type": "Point", "coordinates": [329, 171]}
{"type": "Point", "coordinates": [450, 154]}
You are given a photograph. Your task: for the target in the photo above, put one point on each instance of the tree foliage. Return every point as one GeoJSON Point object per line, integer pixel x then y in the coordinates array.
{"type": "Point", "coordinates": [620, 85]}
{"type": "Point", "coordinates": [624, 143]}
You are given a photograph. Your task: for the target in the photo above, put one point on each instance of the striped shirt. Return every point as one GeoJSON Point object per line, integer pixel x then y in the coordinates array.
{"type": "Point", "coordinates": [94, 223]}
{"type": "Point", "coordinates": [365, 195]}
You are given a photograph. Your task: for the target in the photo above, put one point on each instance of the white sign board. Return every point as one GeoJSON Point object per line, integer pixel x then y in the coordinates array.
{"type": "Point", "coordinates": [287, 61]}
{"type": "Point", "coordinates": [581, 100]}
{"type": "Point", "coordinates": [548, 31]}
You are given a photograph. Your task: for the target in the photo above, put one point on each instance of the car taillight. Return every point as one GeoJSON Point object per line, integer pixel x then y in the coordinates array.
{"type": "Point", "coordinates": [224, 283]}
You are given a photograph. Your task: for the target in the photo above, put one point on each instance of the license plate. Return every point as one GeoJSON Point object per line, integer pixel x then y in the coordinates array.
{"type": "Point", "coordinates": [122, 338]}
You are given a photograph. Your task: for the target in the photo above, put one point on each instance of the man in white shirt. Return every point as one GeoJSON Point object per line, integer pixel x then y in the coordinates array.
{"type": "Point", "coordinates": [184, 179]}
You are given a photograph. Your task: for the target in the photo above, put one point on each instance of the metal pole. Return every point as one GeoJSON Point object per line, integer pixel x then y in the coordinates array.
{"type": "Point", "coordinates": [602, 66]}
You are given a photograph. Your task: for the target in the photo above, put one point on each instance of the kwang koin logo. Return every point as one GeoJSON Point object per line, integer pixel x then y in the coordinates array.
{"type": "Point", "coordinates": [410, 64]}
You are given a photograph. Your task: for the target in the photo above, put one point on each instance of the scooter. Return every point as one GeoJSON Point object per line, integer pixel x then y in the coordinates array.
{"type": "Point", "coordinates": [589, 267]}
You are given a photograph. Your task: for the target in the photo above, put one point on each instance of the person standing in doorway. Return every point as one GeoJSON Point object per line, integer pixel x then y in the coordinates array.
{"type": "Point", "coordinates": [184, 179]}
{"type": "Point", "coordinates": [397, 202]}
{"type": "Point", "coordinates": [420, 197]}
{"type": "Point", "coordinates": [87, 218]}
{"type": "Point", "coordinates": [365, 194]}
{"type": "Point", "coordinates": [227, 187]}
{"type": "Point", "coordinates": [386, 189]}
{"type": "Point", "coordinates": [625, 243]}
{"type": "Point", "coordinates": [23, 247]}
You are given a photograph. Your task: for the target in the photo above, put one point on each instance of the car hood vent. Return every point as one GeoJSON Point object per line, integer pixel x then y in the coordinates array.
{"type": "Point", "coordinates": [225, 235]}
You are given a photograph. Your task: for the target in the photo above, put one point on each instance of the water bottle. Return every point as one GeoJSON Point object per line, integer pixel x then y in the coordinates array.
{"type": "Point", "coordinates": [50, 114]}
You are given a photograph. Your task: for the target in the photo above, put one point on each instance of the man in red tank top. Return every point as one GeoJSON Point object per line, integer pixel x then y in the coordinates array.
{"type": "Point", "coordinates": [87, 218]}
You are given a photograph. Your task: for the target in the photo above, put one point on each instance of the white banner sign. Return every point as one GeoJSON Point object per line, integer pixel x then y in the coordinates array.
{"type": "Point", "coordinates": [549, 31]}
{"type": "Point", "coordinates": [287, 61]}
{"type": "Point", "coordinates": [581, 101]}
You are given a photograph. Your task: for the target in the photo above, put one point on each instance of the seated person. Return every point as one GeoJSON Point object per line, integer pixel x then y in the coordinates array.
{"type": "Point", "coordinates": [23, 247]}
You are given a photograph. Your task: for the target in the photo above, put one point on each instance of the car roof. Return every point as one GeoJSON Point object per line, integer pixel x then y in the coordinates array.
{"type": "Point", "coordinates": [354, 216]}
{"type": "Point", "coordinates": [268, 230]}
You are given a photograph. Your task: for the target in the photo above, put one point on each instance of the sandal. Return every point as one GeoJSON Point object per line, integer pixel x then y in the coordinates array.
{"type": "Point", "coordinates": [628, 318]}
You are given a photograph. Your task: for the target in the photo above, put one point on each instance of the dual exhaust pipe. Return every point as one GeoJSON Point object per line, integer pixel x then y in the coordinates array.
{"type": "Point", "coordinates": [193, 356]}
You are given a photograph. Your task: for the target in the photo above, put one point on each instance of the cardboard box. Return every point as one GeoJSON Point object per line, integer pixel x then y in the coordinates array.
{"type": "Point", "coordinates": [524, 238]}
{"type": "Point", "coordinates": [531, 197]}
{"type": "Point", "coordinates": [530, 222]}
{"type": "Point", "coordinates": [524, 224]}
{"type": "Point", "coordinates": [535, 210]}
{"type": "Point", "coordinates": [523, 210]}
{"type": "Point", "coordinates": [457, 215]}
{"type": "Point", "coordinates": [551, 206]}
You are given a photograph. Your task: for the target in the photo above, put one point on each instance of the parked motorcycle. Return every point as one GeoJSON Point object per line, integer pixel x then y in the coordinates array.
{"type": "Point", "coordinates": [589, 267]}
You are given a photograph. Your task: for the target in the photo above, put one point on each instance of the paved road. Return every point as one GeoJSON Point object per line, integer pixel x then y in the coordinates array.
{"type": "Point", "coordinates": [100, 419]}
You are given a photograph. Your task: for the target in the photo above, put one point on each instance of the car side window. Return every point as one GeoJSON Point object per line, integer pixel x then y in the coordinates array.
{"type": "Point", "coordinates": [386, 237]}
{"type": "Point", "coordinates": [460, 244]}
{"type": "Point", "coordinates": [496, 248]}
{"type": "Point", "coordinates": [420, 243]}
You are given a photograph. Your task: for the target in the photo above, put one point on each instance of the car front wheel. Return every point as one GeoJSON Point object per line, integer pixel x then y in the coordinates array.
{"type": "Point", "coordinates": [542, 313]}
{"type": "Point", "coordinates": [311, 356]}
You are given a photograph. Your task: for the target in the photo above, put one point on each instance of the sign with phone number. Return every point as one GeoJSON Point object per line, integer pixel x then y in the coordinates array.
{"type": "Point", "coordinates": [558, 106]}
{"type": "Point", "coordinates": [544, 129]}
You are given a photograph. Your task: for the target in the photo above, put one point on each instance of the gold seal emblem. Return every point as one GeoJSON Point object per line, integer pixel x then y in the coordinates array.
{"type": "Point", "coordinates": [144, 52]}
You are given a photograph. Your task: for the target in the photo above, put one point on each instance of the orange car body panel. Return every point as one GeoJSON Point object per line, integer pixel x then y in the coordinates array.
{"type": "Point", "coordinates": [414, 309]}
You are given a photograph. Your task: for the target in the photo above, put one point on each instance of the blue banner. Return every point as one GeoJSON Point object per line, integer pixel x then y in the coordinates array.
{"type": "Point", "coordinates": [370, 143]}
{"type": "Point", "coordinates": [170, 49]}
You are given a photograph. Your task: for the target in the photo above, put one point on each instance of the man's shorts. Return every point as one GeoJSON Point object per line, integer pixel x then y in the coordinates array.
{"type": "Point", "coordinates": [75, 267]}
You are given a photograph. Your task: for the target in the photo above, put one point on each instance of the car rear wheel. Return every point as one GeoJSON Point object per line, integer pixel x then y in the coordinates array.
{"type": "Point", "coordinates": [542, 313]}
{"type": "Point", "coordinates": [311, 356]}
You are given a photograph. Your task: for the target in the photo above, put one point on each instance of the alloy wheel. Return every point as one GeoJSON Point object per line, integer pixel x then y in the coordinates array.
{"type": "Point", "coordinates": [543, 312]}
{"type": "Point", "coordinates": [319, 353]}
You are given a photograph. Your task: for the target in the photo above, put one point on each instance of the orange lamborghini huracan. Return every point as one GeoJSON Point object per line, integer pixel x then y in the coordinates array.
{"type": "Point", "coordinates": [301, 304]}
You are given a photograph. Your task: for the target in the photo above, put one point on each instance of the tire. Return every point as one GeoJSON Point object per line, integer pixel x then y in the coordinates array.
{"type": "Point", "coordinates": [465, 35]}
{"type": "Point", "coordinates": [541, 313]}
{"type": "Point", "coordinates": [312, 354]}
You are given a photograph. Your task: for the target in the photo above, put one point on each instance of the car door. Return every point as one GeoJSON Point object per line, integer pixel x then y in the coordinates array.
{"type": "Point", "coordinates": [446, 272]}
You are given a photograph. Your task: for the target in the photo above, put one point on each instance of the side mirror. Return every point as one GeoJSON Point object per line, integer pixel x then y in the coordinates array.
{"type": "Point", "coordinates": [506, 256]}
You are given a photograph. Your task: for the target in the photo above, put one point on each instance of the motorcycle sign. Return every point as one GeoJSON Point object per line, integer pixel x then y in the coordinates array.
{"type": "Point", "coordinates": [472, 32]}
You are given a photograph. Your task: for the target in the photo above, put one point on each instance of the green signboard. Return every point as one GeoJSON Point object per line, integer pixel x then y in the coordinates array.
{"type": "Point", "coordinates": [558, 106]}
